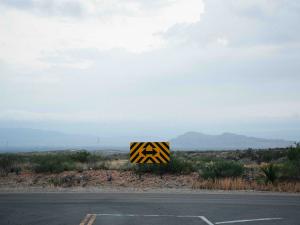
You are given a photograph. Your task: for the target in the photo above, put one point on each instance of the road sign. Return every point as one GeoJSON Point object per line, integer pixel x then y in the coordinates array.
{"type": "Point", "coordinates": [149, 152]}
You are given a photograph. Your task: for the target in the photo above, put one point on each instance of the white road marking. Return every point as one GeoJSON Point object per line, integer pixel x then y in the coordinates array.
{"type": "Point", "coordinates": [206, 220]}
{"type": "Point", "coordinates": [248, 220]}
{"type": "Point", "coordinates": [203, 218]}
{"type": "Point", "coordinates": [89, 219]}
{"type": "Point", "coordinates": [92, 219]}
{"type": "Point", "coordinates": [145, 215]}
{"type": "Point", "coordinates": [86, 219]}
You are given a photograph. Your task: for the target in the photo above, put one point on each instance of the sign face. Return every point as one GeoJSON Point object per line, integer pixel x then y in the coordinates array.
{"type": "Point", "coordinates": [149, 152]}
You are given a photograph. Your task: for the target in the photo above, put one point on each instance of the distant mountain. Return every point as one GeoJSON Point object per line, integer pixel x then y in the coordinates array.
{"type": "Point", "coordinates": [225, 141]}
{"type": "Point", "coordinates": [27, 139]}
{"type": "Point", "coordinates": [23, 138]}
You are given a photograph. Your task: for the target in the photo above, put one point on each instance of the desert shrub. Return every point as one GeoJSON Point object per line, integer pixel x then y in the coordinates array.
{"type": "Point", "coordinates": [291, 168]}
{"type": "Point", "coordinates": [263, 155]}
{"type": "Point", "coordinates": [249, 153]}
{"type": "Point", "coordinates": [52, 163]}
{"type": "Point", "coordinates": [8, 163]}
{"type": "Point", "coordinates": [205, 159]}
{"type": "Point", "coordinates": [293, 153]}
{"type": "Point", "coordinates": [179, 166]}
{"type": "Point", "coordinates": [96, 157]}
{"type": "Point", "coordinates": [289, 171]}
{"type": "Point", "coordinates": [221, 169]}
{"type": "Point", "coordinates": [79, 168]}
{"type": "Point", "coordinates": [69, 180]}
{"type": "Point", "coordinates": [55, 181]}
{"type": "Point", "coordinates": [102, 165]}
{"type": "Point", "coordinates": [266, 156]}
{"type": "Point", "coordinates": [127, 166]}
{"type": "Point", "coordinates": [96, 161]}
{"type": "Point", "coordinates": [80, 156]}
{"type": "Point", "coordinates": [176, 165]}
{"type": "Point", "coordinates": [270, 172]}
{"type": "Point", "coordinates": [16, 169]}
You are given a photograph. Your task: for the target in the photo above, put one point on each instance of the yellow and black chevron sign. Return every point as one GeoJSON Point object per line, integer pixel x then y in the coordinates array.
{"type": "Point", "coordinates": [149, 152]}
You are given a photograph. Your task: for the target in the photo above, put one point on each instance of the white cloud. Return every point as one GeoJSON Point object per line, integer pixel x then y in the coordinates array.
{"type": "Point", "coordinates": [25, 36]}
{"type": "Point", "coordinates": [243, 23]}
{"type": "Point", "coordinates": [222, 41]}
{"type": "Point", "coordinates": [149, 61]}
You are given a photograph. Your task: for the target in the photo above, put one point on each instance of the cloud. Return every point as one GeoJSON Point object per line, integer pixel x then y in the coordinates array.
{"type": "Point", "coordinates": [27, 36]}
{"type": "Point", "coordinates": [158, 63]}
{"type": "Point", "coordinates": [242, 23]}
{"type": "Point", "coordinates": [65, 8]}
{"type": "Point", "coordinates": [25, 4]}
{"type": "Point", "coordinates": [105, 8]}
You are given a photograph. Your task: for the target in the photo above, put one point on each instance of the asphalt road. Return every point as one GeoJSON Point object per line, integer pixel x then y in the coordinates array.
{"type": "Point", "coordinates": [148, 209]}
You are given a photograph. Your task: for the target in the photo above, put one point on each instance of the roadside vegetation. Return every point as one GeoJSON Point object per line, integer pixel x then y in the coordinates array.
{"type": "Point", "coordinates": [266, 170]}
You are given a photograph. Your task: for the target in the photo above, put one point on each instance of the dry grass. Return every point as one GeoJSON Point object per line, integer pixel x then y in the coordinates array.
{"type": "Point", "coordinates": [116, 164]}
{"type": "Point", "coordinates": [240, 184]}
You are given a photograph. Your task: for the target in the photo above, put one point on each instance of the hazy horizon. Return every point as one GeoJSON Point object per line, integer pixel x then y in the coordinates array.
{"type": "Point", "coordinates": [113, 135]}
{"type": "Point", "coordinates": [24, 139]}
{"type": "Point", "coordinates": [151, 68]}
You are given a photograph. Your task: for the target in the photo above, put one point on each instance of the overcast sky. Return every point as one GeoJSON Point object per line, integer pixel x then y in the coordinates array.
{"type": "Point", "coordinates": [159, 67]}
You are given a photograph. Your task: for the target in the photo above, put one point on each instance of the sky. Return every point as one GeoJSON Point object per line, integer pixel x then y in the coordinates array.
{"type": "Point", "coordinates": [151, 68]}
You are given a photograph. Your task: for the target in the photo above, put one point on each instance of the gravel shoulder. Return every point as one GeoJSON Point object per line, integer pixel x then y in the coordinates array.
{"type": "Point", "coordinates": [20, 190]}
{"type": "Point", "coordinates": [109, 181]}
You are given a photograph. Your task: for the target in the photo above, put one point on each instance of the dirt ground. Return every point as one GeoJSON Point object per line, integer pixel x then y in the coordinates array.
{"type": "Point", "coordinates": [98, 178]}
{"type": "Point", "coordinates": [127, 180]}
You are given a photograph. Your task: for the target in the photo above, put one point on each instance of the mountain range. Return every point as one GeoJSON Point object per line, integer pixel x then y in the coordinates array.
{"type": "Point", "coordinates": [19, 139]}
{"type": "Point", "coordinates": [225, 141]}
{"type": "Point", "coordinates": [26, 138]}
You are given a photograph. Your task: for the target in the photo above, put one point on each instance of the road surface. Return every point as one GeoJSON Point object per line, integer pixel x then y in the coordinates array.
{"type": "Point", "coordinates": [148, 209]}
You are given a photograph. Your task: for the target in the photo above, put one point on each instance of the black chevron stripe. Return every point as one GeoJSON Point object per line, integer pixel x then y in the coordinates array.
{"type": "Point", "coordinates": [132, 145]}
{"type": "Point", "coordinates": [134, 158]}
{"type": "Point", "coordinates": [162, 149]}
{"type": "Point", "coordinates": [161, 155]}
{"type": "Point", "coordinates": [165, 144]}
{"type": "Point", "coordinates": [136, 149]}
{"type": "Point", "coordinates": [140, 159]}
{"type": "Point", "coordinates": [158, 158]}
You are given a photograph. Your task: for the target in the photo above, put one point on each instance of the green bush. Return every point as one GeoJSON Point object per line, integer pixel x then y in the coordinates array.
{"type": "Point", "coordinates": [55, 181]}
{"type": "Point", "coordinates": [96, 161]}
{"type": "Point", "coordinates": [80, 156]}
{"type": "Point", "coordinates": [8, 163]}
{"type": "Point", "coordinates": [52, 164]}
{"type": "Point", "coordinates": [294, 153]}
{"type": "Point", "coordinates": [263, 155]}
{"type": "Point", "coordinates": [270, 155]}
{"type": "Point", "coordinates": [176, 166]}
{"type": "Point", "coordinates": [102, 165]}
{"type": "Point", "coordinates": [270, 171]}
{"type": "Point", "coordinates": [179, 166]}
{"type": "Point", "coordinates": [221, 169]}
{"type": "Point", "coordinates": [291, 168]}
{"type": "Point", "coordinates": [128, 167]}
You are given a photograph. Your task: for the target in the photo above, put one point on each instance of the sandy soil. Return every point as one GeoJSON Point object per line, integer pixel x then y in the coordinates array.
{"type": "Point", "coordinates": [126, 181]}
{"type": "Point", "coordinates": [97, 179]}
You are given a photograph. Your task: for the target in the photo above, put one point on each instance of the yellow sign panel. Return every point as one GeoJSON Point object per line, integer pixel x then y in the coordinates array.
{"type": "Point", "coordinates": [149, 152]}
